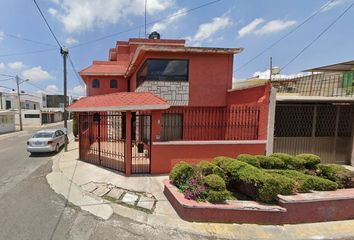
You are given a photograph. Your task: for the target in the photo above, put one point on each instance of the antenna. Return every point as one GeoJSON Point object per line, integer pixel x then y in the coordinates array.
{"type": "Point", "coordinates": [145, 18]}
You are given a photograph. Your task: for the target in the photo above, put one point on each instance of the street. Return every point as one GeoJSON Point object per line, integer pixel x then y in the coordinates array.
{"type": "Point", "coordinates": [30, 209]}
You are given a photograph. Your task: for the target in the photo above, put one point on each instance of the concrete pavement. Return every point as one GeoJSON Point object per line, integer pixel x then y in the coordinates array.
{"type": "Point", "coordinates": [79, 174]}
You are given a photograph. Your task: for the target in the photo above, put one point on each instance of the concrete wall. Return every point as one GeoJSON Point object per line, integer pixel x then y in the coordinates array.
{"type": "Point", "coordinates": [7, 122]}
{"type": "Point", "coordinates": [29, 121]}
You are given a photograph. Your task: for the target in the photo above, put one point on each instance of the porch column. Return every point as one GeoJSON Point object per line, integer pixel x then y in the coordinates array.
{"type": "Point", "coordinates": [128, 143]}
{"type": "Point", "coordinates": [271, 119]}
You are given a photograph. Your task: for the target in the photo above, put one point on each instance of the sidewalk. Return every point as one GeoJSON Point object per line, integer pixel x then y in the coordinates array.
{"type": "Point", "coordinates": [83, 184]}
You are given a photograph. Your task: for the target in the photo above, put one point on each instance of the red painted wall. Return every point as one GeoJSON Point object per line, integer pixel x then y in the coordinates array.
{"type": "Point", "coordinates": [210, 76]}
{"type": "Point", "coordinates": [164, 157]}
{"type": "Point", "coordinates": [105, 85]}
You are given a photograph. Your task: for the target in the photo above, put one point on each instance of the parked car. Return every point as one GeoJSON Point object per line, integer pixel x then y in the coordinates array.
{"type": "Point", "coordinates": [50, 140]}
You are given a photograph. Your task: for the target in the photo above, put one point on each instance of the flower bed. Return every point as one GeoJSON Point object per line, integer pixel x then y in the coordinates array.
{"type": "Point", "coordinates": [259, 178]}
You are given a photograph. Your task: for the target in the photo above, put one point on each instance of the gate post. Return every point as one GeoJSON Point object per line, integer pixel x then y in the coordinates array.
{"type": "Point", "coordinates": [128, 143]}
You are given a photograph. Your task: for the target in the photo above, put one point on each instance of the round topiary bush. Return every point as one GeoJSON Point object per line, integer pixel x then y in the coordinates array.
{"type": "Point", "coordinates": [337, 173]}
{"type": "Point", "coordinates": [311, 160]}
{"type": "Point", "coordinates": [220, 172]}
{"type": "Point", "coordinates": [250, 159]}
{"type": "Point", "coordinates": [206, 167]}
{"type": "Point", "coordinates": [218, 196]}
{"type": "Point", "coordinates": [181, 173]}
{"type": "Point", "coordinates": [268, 162]}
{"type": "Point", "coordinates": [215, 182]}
{"type": "Point", "coordinates": [222, 162]}
{"type": "Point", "coordinates": [291, 162]}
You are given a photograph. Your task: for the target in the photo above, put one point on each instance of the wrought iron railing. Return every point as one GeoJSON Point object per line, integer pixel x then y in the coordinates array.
{"type": "Point", "coordinates": [324, 84]}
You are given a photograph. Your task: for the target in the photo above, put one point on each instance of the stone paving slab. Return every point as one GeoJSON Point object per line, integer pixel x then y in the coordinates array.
{"type": "Point", "coordinates": [130, 198]}
{"type": "Point", "coordinates": [101, 190]}
{"type": "Point", "coordinates": [146, 202]}
{"type": "Point", "coordinates": [89, 187]}
{"type": "Point", "coordinates": [115, 193]}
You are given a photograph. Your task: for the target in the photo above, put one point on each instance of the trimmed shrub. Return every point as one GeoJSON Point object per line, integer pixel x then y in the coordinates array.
{"type": "Point", "coordinates": [266, 186]}
{"type": "Point", "coordinates": [250, 159]}
{"type": "Point", "coordinates": [222, 162]}
{"type": "Point", "coordinates": [206, 167]}
{"type": "Point", "coordinates": [337, 173]}
{"type": "Point", "coordinates": [218, 196]}
{"type": "Point", "coordinates": [291, 162]}
{"type": "Point", "coordinates": [268, 162]}
{"type": "Point", "coordinates": [181, 173]}
{"type": "Point", "coordinates": [215, 182]}
{"type": "Point", "coordinates": [311, 160]}
{"type": "Point", "coordinates": [218, 171]}
{"type": "Point", "coordinates": [306, 183]}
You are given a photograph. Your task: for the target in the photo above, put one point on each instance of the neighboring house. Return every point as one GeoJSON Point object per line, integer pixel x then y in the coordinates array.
{"type": "Point", "coordinates": [7, 121]}
{"type": "Point", "coordinates": [314, 113]}
{"type": "Point", "coordinates": [156, 102]}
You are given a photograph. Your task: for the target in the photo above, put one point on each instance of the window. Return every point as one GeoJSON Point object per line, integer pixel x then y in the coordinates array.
{"type": "Point", "coordinates": [172, 126]}
{"type": "Point", "coordinates": [95, 83]}
{"type": "Point", "coordinates": [163, 70]}
{"type": "Point", "coordinates": [8, 104]}
{"type": "Point", "coordinates": [32, 116]}
{"type": "Point", "coordinates": [113, 83]}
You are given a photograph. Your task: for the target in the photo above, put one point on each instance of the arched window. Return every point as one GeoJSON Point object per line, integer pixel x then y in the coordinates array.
{"type": "Point", "coordinates": [113, 83]}
{"type": "Point", "coordinates": [95, 83]}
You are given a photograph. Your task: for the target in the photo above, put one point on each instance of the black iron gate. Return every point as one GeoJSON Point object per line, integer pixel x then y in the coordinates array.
{"type": "Point", "coordinates": [102, 139]}
{"type": "Point", "coordinates": [141, 143]}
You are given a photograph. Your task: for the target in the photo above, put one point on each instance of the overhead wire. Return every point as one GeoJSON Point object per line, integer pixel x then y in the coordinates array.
{"type": "Point", "coordinates": [318, 36]}
{"type": "Point", "coordinates": [27, 53]}
{"type": "Point", "coordinates": [286, 35]}
{"type": "Point", "coordinates": [27, 39]}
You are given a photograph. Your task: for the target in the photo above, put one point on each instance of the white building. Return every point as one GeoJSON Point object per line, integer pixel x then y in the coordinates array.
{"type": "Point", "coordinates": [7, 121]}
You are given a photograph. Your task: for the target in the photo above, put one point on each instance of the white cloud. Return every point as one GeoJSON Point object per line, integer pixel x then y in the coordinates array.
{"type": "Point", "coordinates": [16, 65]}
{"type": "Point", "coordinates": [207, 30]}
{"type": "Point", "coordinates": [82, 15]}
{"type": "Point", "coordinates": [71, 41]}
{"type": "Point", "coordinates": [52, 89]}
{"type": "Point", "coordinates": [275, 26]}
{"type": "Point", "coordinates": [53, 12]}
{"type": "Point", "coordinates": [332, 4]}
{"type": "Point", "coordinates": [265, 75]}
{"type": "Point", "coordinates": [249, 28]}
{"type": "Point", "coordinates": [160, 26]}
{"type": "Point", "coordinates": [36, 74]}
{"type": "Point", "coordinates": [2, 36]}
{"type": "Point", "coordinates": [79, 90]}
{"type": "Point", "coordinates": [2, 65]}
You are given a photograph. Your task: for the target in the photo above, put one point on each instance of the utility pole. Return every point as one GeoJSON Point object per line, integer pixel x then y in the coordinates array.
{"type": "Point", "coordinates": [19, 102]}
{"type": "Point", "coordinates": [270, 69]}
{"type": "Point", "coordinates": [64, 52]}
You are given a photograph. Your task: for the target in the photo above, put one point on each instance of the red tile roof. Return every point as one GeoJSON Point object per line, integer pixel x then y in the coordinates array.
{"type": "Point", "coordinates": [122, 101]}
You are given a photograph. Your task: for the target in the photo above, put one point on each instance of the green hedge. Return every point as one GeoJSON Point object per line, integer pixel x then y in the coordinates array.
{"type": "Point", "coordinates": [266, 185]}
{"type": "Point", "coordinates": [222, 162]}
{"type": "Point", "coordinates": [311, 160]}
{"type": "Point", "coordinates": [291, 162]}
{"type": "Point", "coordinates": [181, 173]}
{"type": "Point", "coordinates": [206, 167]}
{"type": "Point", "coordinates": [268, 162]}
{"type": "Point", "coordinates": [250, 159]}
{"type": "Point", "coordinates": [218, 196]}
{"type": "Point", "coordinates": [215, 182]}
{"type": "Point", "coordinates": [337, 173]}
{"type": "Point", "coordinates": [306, 183]}
{"type": "Point", "coordinates": [220, 172]}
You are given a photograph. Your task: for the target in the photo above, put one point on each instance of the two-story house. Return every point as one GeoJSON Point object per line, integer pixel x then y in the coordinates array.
{"type": "Point", "coordinates": [156, 102]}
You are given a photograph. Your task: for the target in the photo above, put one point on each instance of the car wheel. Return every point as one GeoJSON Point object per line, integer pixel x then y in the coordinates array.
{"type": "Point", "coordinates": [57, 148]}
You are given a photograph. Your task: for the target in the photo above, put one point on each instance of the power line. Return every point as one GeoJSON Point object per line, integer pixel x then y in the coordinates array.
{"type": "Point", "coordinates": [6, 79]}
{"type": "Point", "coordinates": [46, 22]}
{"type": "Point", "coordinates": [27, 39]}
{"type": "Point", "coordinates": [6, 75]}
{"type": "Point", "coordinates": [28, 52]}
{"type": "Point", "coordinates": [149, 23]}
{"type": "Point", "coordinates": [75, 71]}
{"type": "Point", "coordinates": [6, 87]}
{"type": "Point", "coordinates": [318, 36]}
{"type": "Point", "coordinates": [286, 35]}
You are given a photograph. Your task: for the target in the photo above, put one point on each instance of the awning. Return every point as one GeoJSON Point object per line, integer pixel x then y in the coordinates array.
{"type": "Point", "coordinates": [122, 101]}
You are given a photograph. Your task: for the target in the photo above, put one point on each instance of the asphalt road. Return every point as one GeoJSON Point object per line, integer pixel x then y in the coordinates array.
{"type": "Point", "coordinates": [29, 209]}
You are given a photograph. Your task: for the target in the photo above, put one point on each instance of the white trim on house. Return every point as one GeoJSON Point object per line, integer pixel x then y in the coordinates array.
{"type": "Point", "coordinates": [294, 98]}
{"type": "Point", "coordinates": [216, 142]}
{"type": "Point", "coordinates": [120, 108]}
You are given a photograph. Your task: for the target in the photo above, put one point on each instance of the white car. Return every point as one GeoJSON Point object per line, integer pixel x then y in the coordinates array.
{"type": "Point", "coordinates": [50, 140]}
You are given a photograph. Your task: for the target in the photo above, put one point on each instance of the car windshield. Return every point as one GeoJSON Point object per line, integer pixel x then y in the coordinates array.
{"type": "Point", "coordinates": [43, 135]}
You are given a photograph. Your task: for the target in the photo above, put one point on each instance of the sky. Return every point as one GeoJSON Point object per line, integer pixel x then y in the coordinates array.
{"type": "Point", "coordinates": [90, 27]}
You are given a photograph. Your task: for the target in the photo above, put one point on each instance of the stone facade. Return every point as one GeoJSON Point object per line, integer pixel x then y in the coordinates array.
{"type": "Point", "coordinates": [175, 93]}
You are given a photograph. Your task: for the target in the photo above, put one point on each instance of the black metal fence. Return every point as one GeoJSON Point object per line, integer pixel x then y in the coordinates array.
{"type": "Point", "coordinates": [323, 84]}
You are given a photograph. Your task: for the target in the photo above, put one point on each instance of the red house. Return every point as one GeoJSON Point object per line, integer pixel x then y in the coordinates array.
{"type": "Point", "coordinates": [156, 102]}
